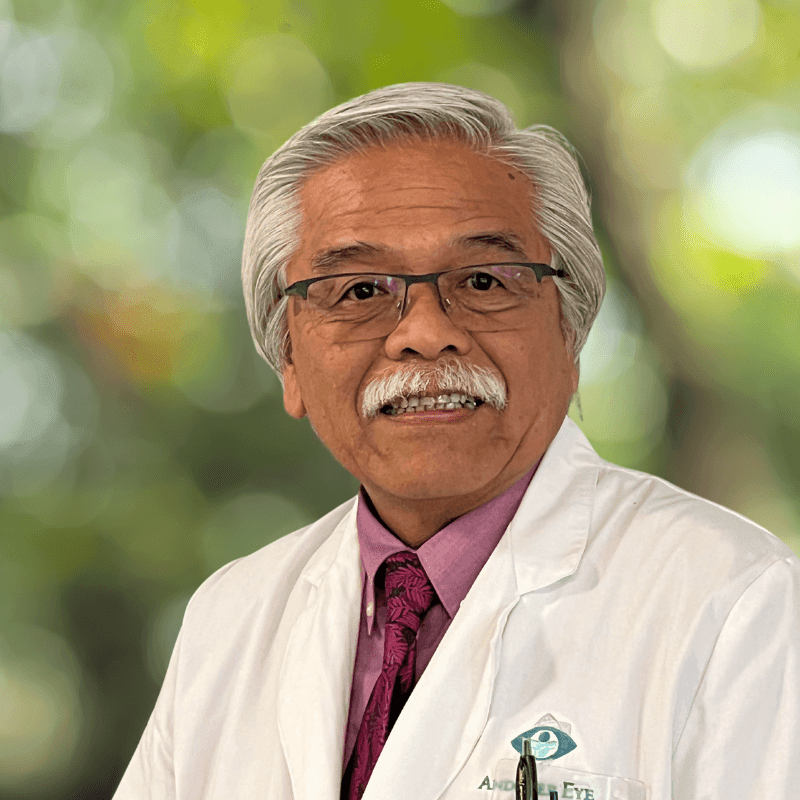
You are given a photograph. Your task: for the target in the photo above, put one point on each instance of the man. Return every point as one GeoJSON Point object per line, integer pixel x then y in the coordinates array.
{"type": "Point", "coordinates": [423, 276]}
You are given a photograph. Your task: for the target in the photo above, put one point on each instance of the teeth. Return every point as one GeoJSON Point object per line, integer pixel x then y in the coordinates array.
{"type": "Point", "coordinates": [448, 402]}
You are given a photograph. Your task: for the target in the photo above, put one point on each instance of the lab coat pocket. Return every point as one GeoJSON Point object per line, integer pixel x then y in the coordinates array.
{"type": "Point", "coordinates": [567, 784]}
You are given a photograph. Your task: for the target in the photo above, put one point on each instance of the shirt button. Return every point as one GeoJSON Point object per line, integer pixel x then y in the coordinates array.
{"type": "Point", "coordinates": [370, 608]}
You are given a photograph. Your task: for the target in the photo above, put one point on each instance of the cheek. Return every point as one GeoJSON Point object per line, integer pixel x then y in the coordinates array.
{"type": "Point", "coordinates": [324, 386]}
{"type": "Point", "coordinates": [331, 377]}
{"type": "Point", "coordinates": [536, 366]}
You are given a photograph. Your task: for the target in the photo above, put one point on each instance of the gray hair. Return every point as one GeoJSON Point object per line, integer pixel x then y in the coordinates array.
{"type": "Point", "coordinates": [419, 111]}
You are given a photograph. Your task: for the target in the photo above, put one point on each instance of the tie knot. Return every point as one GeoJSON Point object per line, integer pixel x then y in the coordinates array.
{"type": "Point", "coordinates": [409, 593]}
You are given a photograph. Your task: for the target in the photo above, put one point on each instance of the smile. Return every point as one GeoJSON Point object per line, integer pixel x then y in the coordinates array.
{"type": "Point", "coordinates": [442, 402]}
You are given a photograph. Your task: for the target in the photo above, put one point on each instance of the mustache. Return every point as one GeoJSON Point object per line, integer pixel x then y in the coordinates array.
{"type": "Point", "coordinates": [444, 377]}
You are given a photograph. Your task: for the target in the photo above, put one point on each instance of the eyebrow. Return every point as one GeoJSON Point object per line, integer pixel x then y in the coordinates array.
{"type": "Point", "coordinates": [330, 258]}
{"type": "Point", "coordinates": [503, 240]}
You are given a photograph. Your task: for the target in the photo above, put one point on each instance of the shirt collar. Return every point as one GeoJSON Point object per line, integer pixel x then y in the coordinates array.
{"type": "Point", "coordinates": [452, 558]}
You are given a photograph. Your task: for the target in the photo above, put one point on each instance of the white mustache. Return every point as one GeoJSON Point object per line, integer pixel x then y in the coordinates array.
{"type": "Point", "coordinates": [445, 377]}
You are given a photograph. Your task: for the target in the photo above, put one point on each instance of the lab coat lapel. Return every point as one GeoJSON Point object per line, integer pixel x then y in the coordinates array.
{"type": "Point", "coordinates": [316, 676]}
{"type": "Point", "coordinates": [447, 712]}
{"type": "Point", "coordinates": [550, 530]}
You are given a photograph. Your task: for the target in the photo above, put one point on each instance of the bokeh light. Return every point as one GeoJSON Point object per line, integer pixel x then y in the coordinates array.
{"type": "Point", "coordinates": [618, 362]}
{"type": "Point", "coordinates": [119, 213]}
{"type": "Point", "coordinates": [626, 42]}
{"type": "Point", "coordinates": [34, 276]}
{"type": "Point", "coordinates": [275, 86]}
{"type": "Point", "coordinates": [744, 182]}
{"type": "Point", "coordinates": [479, 8]}
{"type": "Point", "coordinates": [704, 34]}
{"type": "Point", "coordinates": [37, 439]}
{"type": "Point", "coordinates": [41, 714]}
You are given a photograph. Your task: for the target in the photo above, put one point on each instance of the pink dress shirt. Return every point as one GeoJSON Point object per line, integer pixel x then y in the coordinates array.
{"type": "Point", "coordinates": [452, 560]}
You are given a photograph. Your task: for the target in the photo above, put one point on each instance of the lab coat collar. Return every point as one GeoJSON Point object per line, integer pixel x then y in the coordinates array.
{"type": "Point", "coordinates": [549, 533]}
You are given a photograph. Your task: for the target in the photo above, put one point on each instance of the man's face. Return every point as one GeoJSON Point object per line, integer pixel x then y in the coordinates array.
{"type": "Point", "coordinates": [426, 207]}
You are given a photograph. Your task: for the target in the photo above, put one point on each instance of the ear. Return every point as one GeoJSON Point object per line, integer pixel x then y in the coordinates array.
{"type": "Point", "coordinates": [292, 399]}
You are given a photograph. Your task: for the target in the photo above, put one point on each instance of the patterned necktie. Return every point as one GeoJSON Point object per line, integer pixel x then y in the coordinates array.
{"type": "Point", "coordinates": [409, 595]}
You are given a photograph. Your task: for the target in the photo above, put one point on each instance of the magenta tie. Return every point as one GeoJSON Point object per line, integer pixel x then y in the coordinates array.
{"type": "Point", "coordinates": [409, 595]}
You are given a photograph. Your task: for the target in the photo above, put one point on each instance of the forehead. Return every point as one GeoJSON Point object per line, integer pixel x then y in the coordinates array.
{"type": "Point", "coordinates": [414, 199]}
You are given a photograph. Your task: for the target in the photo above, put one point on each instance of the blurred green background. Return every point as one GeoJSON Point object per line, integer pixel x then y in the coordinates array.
{"type": "Point", "coordinates": [142, 442]}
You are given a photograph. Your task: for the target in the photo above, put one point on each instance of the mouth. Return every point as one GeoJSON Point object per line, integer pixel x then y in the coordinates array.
{"type": "Point", "coordinates": [415, 404]}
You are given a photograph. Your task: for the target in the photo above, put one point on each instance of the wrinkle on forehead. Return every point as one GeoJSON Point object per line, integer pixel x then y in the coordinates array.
{"type": "Point", "coordinates": [417, 198]}
{"type": "Point", "coordinates": [435, 152]}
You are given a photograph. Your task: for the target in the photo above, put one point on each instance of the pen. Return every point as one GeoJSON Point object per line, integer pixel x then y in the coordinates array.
{"type": "Point", "coordinates": [526, 774]}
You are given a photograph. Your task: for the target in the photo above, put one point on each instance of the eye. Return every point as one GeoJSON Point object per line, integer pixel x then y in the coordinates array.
{"type": "Point", "coordinates": [483, 281]}
{"type": "Point", "coordinates": [547, 743]}
{"type": "Point", "coordinates": [362, 291]}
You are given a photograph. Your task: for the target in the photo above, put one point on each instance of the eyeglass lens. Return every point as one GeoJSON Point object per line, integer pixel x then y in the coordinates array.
{"type": "Point", "coordinates": [369, 306]}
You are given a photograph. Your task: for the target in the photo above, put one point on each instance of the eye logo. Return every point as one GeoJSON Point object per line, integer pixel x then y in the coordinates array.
{"type": "Point", "coordinates": [547, 742]}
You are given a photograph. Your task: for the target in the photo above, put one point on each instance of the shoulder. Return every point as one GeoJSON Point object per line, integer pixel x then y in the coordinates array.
{"type": "Point", "coordinates": [654, 501]}
{"type": "Point", "coordinates": [669, 527]}
{"type": "Point", "coordinates": [690, 567]}
{"type": "Point", "coordinates": [634, 509]}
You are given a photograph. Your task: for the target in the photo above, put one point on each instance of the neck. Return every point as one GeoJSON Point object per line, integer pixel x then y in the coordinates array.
{"type": "Point", "coordinates": [414, 521]}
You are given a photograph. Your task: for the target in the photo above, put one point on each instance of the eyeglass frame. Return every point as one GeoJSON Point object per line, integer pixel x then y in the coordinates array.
{"type": "Point", "coordinates": [542, 271]}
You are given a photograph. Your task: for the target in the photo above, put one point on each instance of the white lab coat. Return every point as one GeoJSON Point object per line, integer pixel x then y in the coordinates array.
{"type": "Point", "coordinates": [662, 629]}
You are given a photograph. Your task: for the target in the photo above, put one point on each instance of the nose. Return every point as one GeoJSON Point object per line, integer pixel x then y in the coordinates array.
{"type": "Point", "coordinates": [425, 329]}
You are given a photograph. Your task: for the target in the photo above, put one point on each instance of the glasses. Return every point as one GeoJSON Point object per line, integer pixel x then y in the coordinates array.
{"type": "Point", "coordinates": [483, 297]}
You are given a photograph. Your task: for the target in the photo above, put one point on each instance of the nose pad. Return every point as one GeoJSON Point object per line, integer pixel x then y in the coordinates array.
{"type": "Point", "coordinates": [423, 332]}
{"type": "Point", "coordinates": [444, 304]}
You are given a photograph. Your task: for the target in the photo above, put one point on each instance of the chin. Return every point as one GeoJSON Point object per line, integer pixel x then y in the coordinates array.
{"type": "Point", "coordinates": [434, 485]}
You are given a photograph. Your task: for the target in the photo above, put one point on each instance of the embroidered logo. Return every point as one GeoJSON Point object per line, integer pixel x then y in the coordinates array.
{"type": "Point", "coordinates": [549, 739]}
